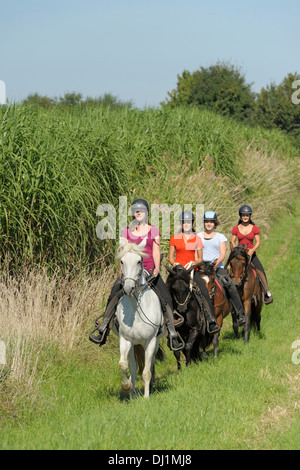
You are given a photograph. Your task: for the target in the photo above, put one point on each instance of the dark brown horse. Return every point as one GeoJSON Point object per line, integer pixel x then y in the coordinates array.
{"type": "Point", "coordinates": [217, 295]}
{"type": "Point", "coordinates": [193, 327]}
{"type": "Point", "coordinates": [247, 283]}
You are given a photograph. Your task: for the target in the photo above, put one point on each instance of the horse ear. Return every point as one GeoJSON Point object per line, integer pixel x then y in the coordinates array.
{"type": "Point", "coordinates": [214, 262]}
{"type": "Point", "coordinates": [190, 269]}
{"type": "Point", "coordinates": [231, 246]}
{"type": "Point", "coordinates": [169, 270]}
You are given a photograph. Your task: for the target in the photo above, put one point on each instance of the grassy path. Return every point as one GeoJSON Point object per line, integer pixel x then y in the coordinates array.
{"type": "Point", "coordinates": [248, 398]}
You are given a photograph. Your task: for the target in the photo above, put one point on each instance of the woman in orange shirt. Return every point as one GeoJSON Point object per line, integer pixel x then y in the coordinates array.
{"type": "Point", "coordinates": [186, 250]}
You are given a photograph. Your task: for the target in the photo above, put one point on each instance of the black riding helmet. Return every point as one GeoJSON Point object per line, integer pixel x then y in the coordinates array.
{"type": "Point", "coordinates": [139, 205]}
{"type": "Point", "coordinates": [186, 216]}
{"type": "Point", "coordinates": [245, 210]}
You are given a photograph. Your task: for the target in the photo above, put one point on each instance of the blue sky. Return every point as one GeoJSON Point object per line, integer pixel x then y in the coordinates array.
{"type": "Point", "coordinates": [134, 49]}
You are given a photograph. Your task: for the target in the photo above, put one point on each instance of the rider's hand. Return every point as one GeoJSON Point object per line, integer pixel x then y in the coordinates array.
{"type": "Point", "coordinates": [155, 272]}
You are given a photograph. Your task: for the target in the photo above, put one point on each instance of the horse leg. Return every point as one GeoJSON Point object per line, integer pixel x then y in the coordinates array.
{"type": "Point", "coordinates": [125, 347]}
{"type": "Point", "coordinates": [235, 325]}
{"type": "Point", "coordinates": [132, 369]}
{"type": "Point", "coordinates": [177, 356]}
{"type": "Point", "coordinates": [149, 361]}
{"type": "Point", "coordinates": [219, 315]}
{"type": "Point", "coordinates": [189, 345]}
{"type": "Point", "coordinates": [247, 309]}
{"type": "Point", "coordinates": [216, 343]}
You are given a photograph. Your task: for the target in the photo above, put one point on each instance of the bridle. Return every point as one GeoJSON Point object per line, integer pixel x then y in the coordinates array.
{"type": "Point", "coordinates": [243, 276]}
{"type": "Point", "coordinates": [135, 279]}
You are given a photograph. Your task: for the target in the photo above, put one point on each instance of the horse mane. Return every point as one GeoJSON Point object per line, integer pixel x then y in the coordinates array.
{"type": "Point", "coordinates": [238, 250]}
{"type": "Point", "coordinates": [129, 248]}
{"type": "Point", "coordinates": [207, 267]}
{"type": "Point", "coordinates": [179, 273]}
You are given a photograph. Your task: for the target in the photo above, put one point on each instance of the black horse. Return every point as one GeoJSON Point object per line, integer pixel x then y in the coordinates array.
{"type": "Point", "coordinates": [193, 327]}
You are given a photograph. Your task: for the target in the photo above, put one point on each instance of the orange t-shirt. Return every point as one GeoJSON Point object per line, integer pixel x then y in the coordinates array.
{"type": "Point", "coordinates": [185, 251]}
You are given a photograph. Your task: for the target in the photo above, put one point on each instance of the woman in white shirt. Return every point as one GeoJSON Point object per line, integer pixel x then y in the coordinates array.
{"type": "Point", "coordinates": [215, 250]}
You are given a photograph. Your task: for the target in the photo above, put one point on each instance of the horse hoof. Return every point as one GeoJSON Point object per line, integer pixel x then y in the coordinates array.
{"type": "Point", "coordinates": [127, 388]}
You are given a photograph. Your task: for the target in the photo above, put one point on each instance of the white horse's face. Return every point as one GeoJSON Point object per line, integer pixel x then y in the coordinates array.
{"type": "Point", "coordinates": [132, 267]}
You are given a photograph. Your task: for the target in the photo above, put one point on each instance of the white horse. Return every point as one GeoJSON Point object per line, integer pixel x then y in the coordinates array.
{"type": "Point", "coordinates": [140, 318]}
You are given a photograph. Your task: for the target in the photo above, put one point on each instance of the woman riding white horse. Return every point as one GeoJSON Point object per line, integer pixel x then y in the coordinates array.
{"type": "Point", "coordinates": [139, 318]}
{"type": "Point", "coordinates": [147, 237]}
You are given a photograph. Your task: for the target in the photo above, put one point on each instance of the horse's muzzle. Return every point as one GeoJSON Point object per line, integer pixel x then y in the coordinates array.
{"type": "Point", "coordinates": [129, 288]}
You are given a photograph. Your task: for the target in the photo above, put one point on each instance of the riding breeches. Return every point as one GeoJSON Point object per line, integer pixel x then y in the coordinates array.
{"type": "Point", "coordinates": [255, 260]}
{"type": "Point", "coordinates": [204, 291]}
{"type": "Point", "coordinates": [231, 290]}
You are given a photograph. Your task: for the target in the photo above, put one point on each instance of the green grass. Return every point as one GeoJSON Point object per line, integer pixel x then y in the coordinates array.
{"type": "Point", "coordinates": [247, 398]}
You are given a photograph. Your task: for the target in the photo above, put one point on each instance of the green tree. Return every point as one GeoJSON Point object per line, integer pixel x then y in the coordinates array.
{"type": "Point", "coordinates": [37, 100]}
{"type": "Point", "coordinates": [71, 99]}
{"type": "Point", "coordinates": [221, 88]}
{"type": "Point", "coordinates": [275, 107]}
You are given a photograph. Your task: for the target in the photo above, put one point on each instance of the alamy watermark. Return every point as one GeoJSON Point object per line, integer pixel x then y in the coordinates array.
{"type": "Point", "coordinates": [296, 94]}
{"type": "Point", "coordinates": [2, 92]}
{"type": "Point", "coordinates": [114, 221]}
{"type": "Point", "coordinates": [2, 353]}
{"type": "Point", "coordinates": [296, 354]}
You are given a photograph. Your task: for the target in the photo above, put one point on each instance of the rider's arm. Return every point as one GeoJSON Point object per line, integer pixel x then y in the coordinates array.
{"type": "Point", "coordinates": [172, 254]}
{"type": "Point", "coordinates": [257, 245]}
{"type": "Point", "coordinates": [198, 256]}
{"type": "Point", "coordinates": [222, 254]}
{"type": "Point", "coordinates": [156, 255]}
{"type": "Point", "coordinates": [233, 240]}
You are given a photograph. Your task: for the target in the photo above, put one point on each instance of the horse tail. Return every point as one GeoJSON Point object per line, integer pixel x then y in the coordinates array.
{"type": "Point", "coordinates": [160, 355]}
{"type": "Point", "coordinates": [139, 355]}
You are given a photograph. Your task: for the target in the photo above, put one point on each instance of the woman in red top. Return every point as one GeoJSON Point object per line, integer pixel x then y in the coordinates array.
{"type": "Point", "coordinates": [186, 250]}
{"type": "Point", "coordinates": [247, 233]}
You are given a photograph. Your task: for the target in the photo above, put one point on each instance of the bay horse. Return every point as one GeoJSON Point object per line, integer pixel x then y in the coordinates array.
{"type": "Point", "coordinates": [193, 326]}
{"type": "Point", "coordinates": [140, 321]}
{"type": "Point", "coordinates": [216, 292]}
{"type": "Point", "coordinates": [248, 286]}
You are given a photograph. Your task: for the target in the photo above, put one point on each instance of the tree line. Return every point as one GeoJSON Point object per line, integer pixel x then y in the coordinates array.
{"type": "Point", "coordinates": [71, 99]}
{"type": "Point", "coordinates": [223, 88]}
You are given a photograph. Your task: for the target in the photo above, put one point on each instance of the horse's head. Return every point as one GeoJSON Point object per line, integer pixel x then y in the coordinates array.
{"type": "Point", "coordinates": [238, 262]}
{"type": "Point", "coordinates": [131, 258]}
{"type": "Point", "coordinates": [207, 273]}
{"type": "Point", "coordinates": [179, 285]}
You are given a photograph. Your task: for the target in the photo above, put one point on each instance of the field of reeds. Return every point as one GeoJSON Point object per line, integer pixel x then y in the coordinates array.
{"type": "Point", "coordinates": [58, 165]}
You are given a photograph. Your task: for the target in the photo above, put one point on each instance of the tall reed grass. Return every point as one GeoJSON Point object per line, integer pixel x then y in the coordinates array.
{"type": "Point", "coordinates": [58, 164]}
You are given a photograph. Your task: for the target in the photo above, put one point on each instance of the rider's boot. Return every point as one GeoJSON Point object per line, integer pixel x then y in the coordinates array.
{"type": "Point", "coordinates": [235, 299]}
{"type": "Point", "coordinates": [212, 324]}
{"type": "Point", "coordinates": [175, 343]}
{"type": "Point", "coordinates": [103, 327]}
{"type": "Point", "coordinates": [268, 298]}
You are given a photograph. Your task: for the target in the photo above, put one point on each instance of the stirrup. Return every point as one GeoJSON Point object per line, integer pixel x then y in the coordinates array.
{"type": "Point", "coordinates": [241, 321]}
{"type": "Point", "coordinates": [268, 300]}
{"type": "Point", "coordinates": [178, 337]}
{"type": "Point", "coordinates": [99, 339]}
{"type": "Point", "coordinates": [215, 329]}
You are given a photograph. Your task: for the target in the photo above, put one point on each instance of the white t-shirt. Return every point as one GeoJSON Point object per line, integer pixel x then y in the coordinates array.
{"type": "Point", "coordinates": [211, 250]}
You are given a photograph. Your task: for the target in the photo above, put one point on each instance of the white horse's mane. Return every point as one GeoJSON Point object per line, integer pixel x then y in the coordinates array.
{"type": "Point", "coordinates": [129, 248]}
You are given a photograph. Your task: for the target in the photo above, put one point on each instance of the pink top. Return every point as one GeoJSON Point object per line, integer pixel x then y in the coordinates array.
{"type": "Point", "coordinates": [244, 239]}
{"type": "Point", "coordinates": [146, 242]}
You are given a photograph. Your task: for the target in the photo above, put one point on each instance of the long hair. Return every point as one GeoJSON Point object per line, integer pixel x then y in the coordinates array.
{"type": "Point", "coordinates": [250, 221]}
